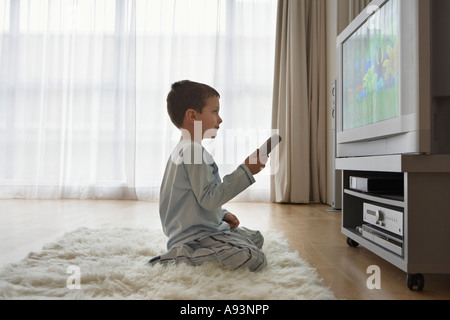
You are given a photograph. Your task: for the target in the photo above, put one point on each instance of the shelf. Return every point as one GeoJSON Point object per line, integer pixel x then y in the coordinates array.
{"type": "Point", "coordinates": [397, 163]}
{"type": "Point", "coordinates": [422, 200]}
{"type": "Point", "coordinates": [387, 255]}
{"type": "Point", "coordinates": [386, 199]}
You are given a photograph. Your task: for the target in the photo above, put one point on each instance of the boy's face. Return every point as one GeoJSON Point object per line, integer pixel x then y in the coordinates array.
{"type": "Point", "coordinates": [210, 118]}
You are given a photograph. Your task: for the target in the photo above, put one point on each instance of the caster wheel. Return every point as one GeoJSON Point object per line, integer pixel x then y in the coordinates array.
{"type": "Point", "coordinates": [352, 243]}
{"type": "Point", "coordinates": [415, 280]}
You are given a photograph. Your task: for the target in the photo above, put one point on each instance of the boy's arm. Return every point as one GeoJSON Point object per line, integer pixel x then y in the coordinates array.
{"type": "Point", "coordinates": [212, 194]}
{"type": "Point", "coordinates": [224, 212]}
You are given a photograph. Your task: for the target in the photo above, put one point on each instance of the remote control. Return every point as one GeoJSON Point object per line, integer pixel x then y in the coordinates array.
{"type": "Point", "coordinates": [267, 147]}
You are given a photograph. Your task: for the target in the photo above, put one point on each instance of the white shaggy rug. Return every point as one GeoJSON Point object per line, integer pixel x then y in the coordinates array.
{"type": "Point", "coordinates": [111, 264]}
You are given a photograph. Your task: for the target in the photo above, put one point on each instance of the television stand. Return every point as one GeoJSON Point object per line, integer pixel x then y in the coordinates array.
{"type": "Point", "coordinates": [407, 225]}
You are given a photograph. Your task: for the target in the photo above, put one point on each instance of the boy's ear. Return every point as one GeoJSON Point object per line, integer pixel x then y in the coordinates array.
{"type": "Point", "coordinates": [191, 115]}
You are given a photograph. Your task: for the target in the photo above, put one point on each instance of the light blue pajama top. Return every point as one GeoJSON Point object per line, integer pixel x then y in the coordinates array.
{"type": "Point", "coordinates": [192, 194]}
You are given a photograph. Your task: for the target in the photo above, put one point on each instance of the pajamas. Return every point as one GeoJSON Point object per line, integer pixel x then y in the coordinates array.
{"type": "Point", "coordinates": [235, 249]}
{"type": "Point", "coordinates": [190, 208]}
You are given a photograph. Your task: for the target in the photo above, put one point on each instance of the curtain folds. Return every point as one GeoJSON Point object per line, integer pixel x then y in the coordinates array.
{"type": "Point", "coordinates": [83, 86]}
{"type": "Point", "coordinates": [299, 102]}
{"type": "Point", "coordinates": [355, 8]}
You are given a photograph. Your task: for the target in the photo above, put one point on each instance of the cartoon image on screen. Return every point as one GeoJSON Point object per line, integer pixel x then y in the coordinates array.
{"type": "Point", "coordinates": [371, 70]}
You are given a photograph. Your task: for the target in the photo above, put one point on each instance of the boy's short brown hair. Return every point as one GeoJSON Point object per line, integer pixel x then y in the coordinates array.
{"type": "Point", "coordinates": [186, 95]}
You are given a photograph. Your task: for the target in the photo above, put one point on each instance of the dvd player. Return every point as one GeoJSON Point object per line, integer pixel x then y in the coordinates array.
{"type": "Point", "coordinates": [382, 238]}
{"type": "Point", "coordinates": [377, 184]}
{"type": "Point", "coordinates": [384, 218]}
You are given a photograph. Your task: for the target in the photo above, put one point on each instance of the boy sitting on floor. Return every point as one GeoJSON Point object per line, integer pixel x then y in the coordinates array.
{"type": "Point", "coordinates": [192, 192]}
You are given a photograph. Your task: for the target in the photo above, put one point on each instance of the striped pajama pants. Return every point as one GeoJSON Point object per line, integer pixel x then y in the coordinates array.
{"type": "Point", "coordinates": [238, 248]}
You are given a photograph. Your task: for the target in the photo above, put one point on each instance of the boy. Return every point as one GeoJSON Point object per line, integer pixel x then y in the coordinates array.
{"type": "Point", "coordinates": [192, 192]}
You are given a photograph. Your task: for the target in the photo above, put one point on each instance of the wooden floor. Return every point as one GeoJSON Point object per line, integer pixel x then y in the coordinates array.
{"type": "Point", "coordinates": [312, 230]}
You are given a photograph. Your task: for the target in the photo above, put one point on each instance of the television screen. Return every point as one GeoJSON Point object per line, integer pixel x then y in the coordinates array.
{"type": "Point", "coordinates": [371, 70]}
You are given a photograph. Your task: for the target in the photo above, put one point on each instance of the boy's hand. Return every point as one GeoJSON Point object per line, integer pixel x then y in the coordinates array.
{"type": "Point", "coordinates": [254, 164]}
{"type": "Point", "coordinates": [232, 220]}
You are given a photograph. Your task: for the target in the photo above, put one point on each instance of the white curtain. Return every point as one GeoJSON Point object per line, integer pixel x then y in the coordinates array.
{"type": "Point", "coordinates": [83, 85]}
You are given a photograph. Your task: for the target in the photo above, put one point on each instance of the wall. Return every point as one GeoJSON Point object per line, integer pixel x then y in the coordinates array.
{"type": "Point", "coordinates": [337, 19]}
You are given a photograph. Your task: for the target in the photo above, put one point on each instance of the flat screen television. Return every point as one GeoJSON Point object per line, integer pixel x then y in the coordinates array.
{"type": "Point", "coordinates": [393, 80]}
